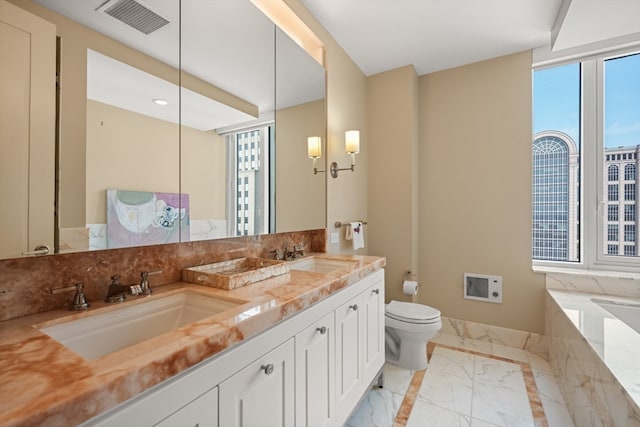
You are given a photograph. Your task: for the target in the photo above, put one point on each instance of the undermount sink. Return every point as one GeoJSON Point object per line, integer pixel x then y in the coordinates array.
{"type": "Point", "coordinates": [322, 265]}
{"type": "Point", "coordinates": [104, 333]}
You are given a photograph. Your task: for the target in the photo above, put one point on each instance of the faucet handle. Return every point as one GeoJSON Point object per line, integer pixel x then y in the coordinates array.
{"type": "Point", "coordinates": [79, 299]}
{"type": "Point", "coordinates": [145, 289]}
{"type": "Point", "coordinates": [277, 254]}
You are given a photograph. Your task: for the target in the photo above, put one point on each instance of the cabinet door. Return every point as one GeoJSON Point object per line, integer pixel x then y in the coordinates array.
{"type": "Point", "coordinates": [315, 370]}
{"type": "Point", "coordinates": [261, 394]}
{"type": "Point", "coordinates": [202, 412]}
{"type": "Point", "coordinates": [348, 355]}
{"type": "Point", "coordinates": [27, 130]}
{"type": "Point", "coordinates": [373, 334]}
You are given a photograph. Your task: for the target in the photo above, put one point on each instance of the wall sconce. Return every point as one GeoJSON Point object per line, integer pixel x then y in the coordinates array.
{"type": "Point", "coordinates": [352, 147]}
{"type": "Point", "coordinates": [314, 150]}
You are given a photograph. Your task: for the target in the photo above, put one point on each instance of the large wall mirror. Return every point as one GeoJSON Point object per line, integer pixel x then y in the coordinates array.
{"type": "Point", "coordinates": [178, 121]}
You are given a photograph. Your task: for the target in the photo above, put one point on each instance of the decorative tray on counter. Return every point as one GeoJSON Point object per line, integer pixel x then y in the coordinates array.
{"type": "Point", "coordinates": [235, 273]}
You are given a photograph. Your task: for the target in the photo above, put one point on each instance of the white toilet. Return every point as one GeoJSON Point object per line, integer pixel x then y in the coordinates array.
{"type": "Point", "coordinates": [408, 329]}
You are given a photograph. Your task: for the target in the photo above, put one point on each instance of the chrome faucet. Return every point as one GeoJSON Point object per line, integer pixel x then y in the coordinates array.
{"type": "Point", "coordinates": [289, 255]}
{"type": "Point", "coordinates": [117, 292]}
{"type": "Point", "coordinates": [298, 251]}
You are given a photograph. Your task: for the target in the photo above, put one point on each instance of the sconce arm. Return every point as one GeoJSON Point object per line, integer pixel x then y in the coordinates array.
{"type": "Point", "coordinates": [334, 169]}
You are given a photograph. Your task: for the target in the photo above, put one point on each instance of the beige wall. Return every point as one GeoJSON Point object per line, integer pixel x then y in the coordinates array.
{"type": "Point", "coordinates": [299, 193]}
{"type": "Point", "coordinates": [470, 178]}
{"type": "Point", "coordinates": [204, 173]}
{"type": "Point", "coordinates": [475, 190]}
{"type": "Point", "coordinates": [143, 153]}
{"type": "Point", "coordinates": [392, 113]}
{"type": "Point", "coordinates": [346, 109]}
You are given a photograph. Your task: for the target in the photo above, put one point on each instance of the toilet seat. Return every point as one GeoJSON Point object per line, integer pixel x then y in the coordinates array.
{"type": "Point", "coordinates": [412, 313]}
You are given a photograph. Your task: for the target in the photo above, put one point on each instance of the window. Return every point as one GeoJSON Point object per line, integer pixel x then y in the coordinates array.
{"type": "Point", "coordinates": [249, 160]}
{"type": "Point", "coordinates": [552, 197]}
{"type": "Point", "coordinates": [629, 191]}
{"type": "Point", "coordinates": [629, 213]}
{"type": "Point", "coordinates": [629, 233]}
{"type": "Point", "coordinates": [592, 106]}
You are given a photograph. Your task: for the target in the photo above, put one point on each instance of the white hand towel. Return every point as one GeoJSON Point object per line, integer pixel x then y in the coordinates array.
{"type": "Point", "coordinates": [357, 231]}
{"type": "Point", "coordinates": [348, 234]}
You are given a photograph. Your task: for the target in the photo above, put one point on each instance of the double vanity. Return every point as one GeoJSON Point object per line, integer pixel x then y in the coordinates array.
{"type": "Point", "coordinates": [299, 348]}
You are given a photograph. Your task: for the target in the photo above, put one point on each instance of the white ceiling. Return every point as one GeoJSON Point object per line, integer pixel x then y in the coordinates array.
{"type": "Point", "coordinates": [434, 35]}
{"type": "Point", "coordinates": [379, 35]}
{"type": "Point", "coordinates": [228, 43]}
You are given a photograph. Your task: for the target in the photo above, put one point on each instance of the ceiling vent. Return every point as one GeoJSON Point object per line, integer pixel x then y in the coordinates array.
{"type": "Point", "coordinates": [134, 14]}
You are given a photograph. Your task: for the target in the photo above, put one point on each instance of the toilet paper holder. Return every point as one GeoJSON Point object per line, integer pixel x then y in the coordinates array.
{"type": "Point", "coordinates": [408, 275]}
{"type": "Point", "coordinates": [409, 283]}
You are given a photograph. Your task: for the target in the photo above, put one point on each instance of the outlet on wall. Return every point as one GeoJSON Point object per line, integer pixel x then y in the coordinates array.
{"type": "Point", "coordinates": [335, 238]}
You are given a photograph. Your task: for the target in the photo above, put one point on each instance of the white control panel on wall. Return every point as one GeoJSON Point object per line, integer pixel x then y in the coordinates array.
{"type": "Point", "coordinates": [482, 287]}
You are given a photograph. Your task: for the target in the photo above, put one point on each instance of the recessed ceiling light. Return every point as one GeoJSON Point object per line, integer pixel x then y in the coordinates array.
{"type": "Point", "coordinates": [161, 101]}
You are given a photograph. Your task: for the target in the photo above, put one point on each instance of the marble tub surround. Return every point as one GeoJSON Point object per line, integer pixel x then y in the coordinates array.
{"type": "Point", "coordinates": [25, 283]}
{"type": "Point", "coordinates": [486, 335]}
{"type": "Point", "coordinates": [604, 283]}
{"type": "Point", "coordinates": [51, 385]}
{"type": "Point", "coordinates": [595, 357]}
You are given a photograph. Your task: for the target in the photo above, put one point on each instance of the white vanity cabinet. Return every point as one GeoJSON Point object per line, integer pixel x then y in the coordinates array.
{"type": "Point", "coordinates": [202, 412]}
{"type": "Point", "coordinates": [262, 394]}
{"type": "Point", "coordinates": [310, 370]}
{"type": "Point", "coordinates": [373, 336]}
{"type": "Point", "coordinates": [315, 373]}
{"type": "Point", "coordinates": [359, 345]}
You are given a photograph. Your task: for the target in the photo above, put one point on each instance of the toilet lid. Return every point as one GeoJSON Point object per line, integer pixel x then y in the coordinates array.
{"type": "Point", "coordinates": [411, 311]}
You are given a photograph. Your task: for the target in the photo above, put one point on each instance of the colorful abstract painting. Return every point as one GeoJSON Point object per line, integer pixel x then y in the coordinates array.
{"type": "Point", "coordinates": [138, 218]}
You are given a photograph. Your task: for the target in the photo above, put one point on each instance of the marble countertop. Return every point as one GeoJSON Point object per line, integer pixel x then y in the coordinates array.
{"type": "Point", "coordinates": [615, 342]}
{"type": "Point", "coordinates": [44, 383]}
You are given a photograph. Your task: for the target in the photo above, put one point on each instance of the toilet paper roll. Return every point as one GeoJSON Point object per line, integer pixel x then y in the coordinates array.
{"type": "Point", "coordinates": [410, 287]}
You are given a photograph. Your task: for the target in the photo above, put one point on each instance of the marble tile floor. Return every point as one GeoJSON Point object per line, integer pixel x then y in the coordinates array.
{"type": "Point", "coordinates": [467, 383]}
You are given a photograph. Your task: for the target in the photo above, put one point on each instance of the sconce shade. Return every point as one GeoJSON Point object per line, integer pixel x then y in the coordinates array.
{"type": "Point", "coordinates": [352, 141]}
{"type": "Point", "coordinates": [314, 147]}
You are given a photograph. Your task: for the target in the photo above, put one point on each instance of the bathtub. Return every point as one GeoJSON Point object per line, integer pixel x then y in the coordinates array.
{"type": "Point", "coordinates": [628, 312]}
{"type": "Point", "coordinates": [594, 350]}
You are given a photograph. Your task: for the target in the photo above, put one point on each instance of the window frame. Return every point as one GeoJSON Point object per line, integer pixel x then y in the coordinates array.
{"type": "Point", "coordinates": [593, 227]}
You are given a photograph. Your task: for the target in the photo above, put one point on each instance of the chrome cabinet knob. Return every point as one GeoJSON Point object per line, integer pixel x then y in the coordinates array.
{"type": "Point", "coordinates": [376, 291]}
{"type": "Point", "coordinates": [322, 330]}
{"type": "Point", "coordinates": [268, 369]}
{"type": "Point", "coordinates": [354, 307]}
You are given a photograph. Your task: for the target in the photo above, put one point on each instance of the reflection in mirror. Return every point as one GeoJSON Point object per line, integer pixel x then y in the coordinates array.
{"type": "Point", "coordinates": [227, 178]}
{"type": "Point", "coordinates": [300, 89]}
{"type": "Point", "coordinates": [177, 165]}
{"type": "Point", "coordinates": [131, 151]}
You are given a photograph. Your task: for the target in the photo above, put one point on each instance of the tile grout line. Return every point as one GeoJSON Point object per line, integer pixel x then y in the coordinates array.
{"type": "Point", "coordinates": [535, 403]}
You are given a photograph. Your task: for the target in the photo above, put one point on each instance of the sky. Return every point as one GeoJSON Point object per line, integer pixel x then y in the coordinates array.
{"type": "Point", "coordinates": [556, 97]}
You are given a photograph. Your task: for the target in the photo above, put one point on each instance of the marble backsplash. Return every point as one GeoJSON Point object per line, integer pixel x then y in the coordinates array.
{"type": "Point", "coordinates": [26, 283]}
